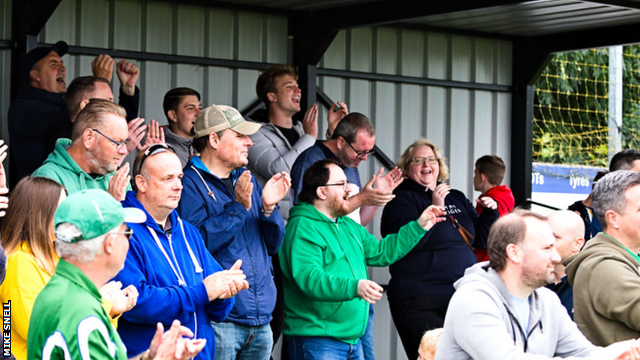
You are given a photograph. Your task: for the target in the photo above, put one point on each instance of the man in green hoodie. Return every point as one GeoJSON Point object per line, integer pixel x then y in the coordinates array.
{"type": "Point", "coordinates": [91, 158]}
{"type": "Point", "coordinates": [324, 260]}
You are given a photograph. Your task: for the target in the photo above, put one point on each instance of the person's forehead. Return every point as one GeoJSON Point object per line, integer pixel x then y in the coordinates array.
{"type": "Point", "coordinates": [423, 150]}
{"type": "Point", "coordinates": [285, 79]}
{"type": "Point", "coordinates": [166, 162]}
{"type": "Point", "coordinates": [114, 125]}
{"type": "Point", "coordinates": [538, 233]}
{"type": "Point", "coordinates": [362, 136]}
{"type": "Point", "coordinates": [103, 88]}
{"type": "Point", "coordinates": [52, 56]}
{"type": "Point", "coordinates": [336, 173]}
{"type": "Point", "coordinates": [189, 100]}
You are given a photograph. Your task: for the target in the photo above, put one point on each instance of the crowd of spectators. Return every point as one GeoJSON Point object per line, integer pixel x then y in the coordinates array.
{"type": "Point", "coordinates": [224, 234]}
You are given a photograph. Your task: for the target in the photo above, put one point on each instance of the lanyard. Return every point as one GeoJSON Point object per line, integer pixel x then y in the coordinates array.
{"type": "Point", "coordinates": [176, 267]}
{"type": "Point", "coordinates": [635, 256]}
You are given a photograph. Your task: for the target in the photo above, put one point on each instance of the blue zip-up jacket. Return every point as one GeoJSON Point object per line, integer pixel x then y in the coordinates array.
{"type": "Point", "coordinates": [442, 255]}
{"type": "Point", "coordinates": [161, 298]}
{"type": "Point", "coordinates": [231, 233]}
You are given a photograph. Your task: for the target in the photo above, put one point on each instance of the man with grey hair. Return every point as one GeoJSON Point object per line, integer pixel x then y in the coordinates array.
{"type": "Point", "coordinates": [68, 320]}
{"type": "Point", "coordinates": [91, 158]}
{"type": "Point", "coordinates": [502, 310]}
{"type": "Point", "coordinates": [606, 275]}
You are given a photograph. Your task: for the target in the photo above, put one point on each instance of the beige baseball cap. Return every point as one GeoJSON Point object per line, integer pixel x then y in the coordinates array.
{"type": "Point", "coordinates": [220, 117]}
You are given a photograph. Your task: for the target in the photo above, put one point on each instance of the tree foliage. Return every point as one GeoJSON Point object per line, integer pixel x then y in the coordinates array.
{"type": "Point", "coordinates": [571, 107]}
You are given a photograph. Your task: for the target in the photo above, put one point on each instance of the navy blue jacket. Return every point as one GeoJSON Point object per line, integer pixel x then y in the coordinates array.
{"type": "Point", "coordinates": [441, 257]}
{"type": "Point", "coordinates": [31, 119]}
{"type": "Point", "coordinates": [161, 297]}
{"type": "Point", "coordinates": [231, 233]}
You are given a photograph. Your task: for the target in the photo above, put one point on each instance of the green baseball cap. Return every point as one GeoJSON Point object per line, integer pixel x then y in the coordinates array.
{"type": "Point", "coordinates": [221, 117]}
{"type": "Point", "coordinates": [95, 212]}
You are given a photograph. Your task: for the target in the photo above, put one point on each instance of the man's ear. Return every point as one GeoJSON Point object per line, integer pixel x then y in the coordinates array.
{"type": "Point", "coordinates": [141, 183]}
{"type": "Point", "coordinates": [172, 116]}
{"type": "Point", "coordinates": [514, 252]}
{"type": "Point", "coordinates": [108, 244]}
{"type": "Point", "coordinates": [34, 75]}
{"type": "Point", "coordinates": [88, 137]}
{"type": "Point", "coordinates": [340, 143]}
{"type": "Point", "coordinates": [577, 244]}
{"type": "Point", "coordinates": [321, 192]}
{"type": "Point", "coordinates": [612, 219]}
{"type": "Point", "coordinates": [483, 177]}
{"type": "Point", "coordinates": [214, 140]}
{"type": "Point", "coordinates": [272, 97]}
{"type": "Point", "coordinates": [84, 103]}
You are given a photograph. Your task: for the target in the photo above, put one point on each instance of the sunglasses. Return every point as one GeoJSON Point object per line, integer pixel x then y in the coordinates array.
{"type": "Point", "coordinates": [153, 150]}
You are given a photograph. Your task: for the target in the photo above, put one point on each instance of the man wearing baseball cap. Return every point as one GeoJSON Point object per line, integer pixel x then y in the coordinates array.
{"type": "Point", "coordinates": [40, 116]}
{"type": "Point", "coordinates": [238, 219]}
{"type": "Point", "coordinates": [68, 321]}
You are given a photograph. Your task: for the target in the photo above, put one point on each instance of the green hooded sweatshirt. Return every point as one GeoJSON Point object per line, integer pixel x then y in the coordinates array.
{"type": "Point", "coordinates": [322, 261]}
{"type": "Point", "coordinates": [61, 167]}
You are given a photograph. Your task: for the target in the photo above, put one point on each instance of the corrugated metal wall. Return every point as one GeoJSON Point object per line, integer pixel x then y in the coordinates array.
{"type": "Point", "coordinates": [466, 124]}
{"type": "Point", "coordinates": [5, 68]}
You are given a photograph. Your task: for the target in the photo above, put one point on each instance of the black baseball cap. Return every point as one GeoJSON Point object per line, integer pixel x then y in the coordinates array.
{"type": "Point", "coordinates": [38, 54]}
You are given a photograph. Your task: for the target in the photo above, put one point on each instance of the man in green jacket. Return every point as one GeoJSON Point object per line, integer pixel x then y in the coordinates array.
{"type": "Point", "coordinates": [68, 320]}
{"type": "Point", "coordinates": [324, 258]}
{"type": "Point", "coordinates": [91, 158]}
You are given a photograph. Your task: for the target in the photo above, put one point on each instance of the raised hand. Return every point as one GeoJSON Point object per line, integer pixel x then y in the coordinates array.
{"type": "Point", "coordinates": [374, 197]}
{"type": "Point", "coordinates": [244, 189]}
{"type": "Point", "coordinates": [118, 183]}
{"type": "Point", "coordinates": [439, 193]}
{"type": "Point", "coordinates": [155, 135]}
{"type": "Point", "coordinates": [310, 121]}
{"type": "Point", "coordinates": [431, 216]}
{"type": "Point", "coordinates": [136, 132]}
{"type": "Point", "coordinates": [122, 299]}
{"type": "Point", "coordinates": [102, 67]}
{"type": "Point", "coordinates": [227, 283]}
{"type": "Point", "coordinates": [334, 117]}
{"type": "Point", "coordinates": [128, 75]}
{"type": "Point", "coordinates": [390, 181]}
{"type": "Point", "coordinates": [275, 190]}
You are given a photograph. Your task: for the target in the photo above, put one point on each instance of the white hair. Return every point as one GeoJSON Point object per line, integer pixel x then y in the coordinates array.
{"type": "Point", "coordinates": [84, 251]}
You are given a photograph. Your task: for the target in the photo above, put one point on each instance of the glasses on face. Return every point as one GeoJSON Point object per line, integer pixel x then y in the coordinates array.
{"type": "Point", "coordinates": [128, 233]}
{"type": "Point", "coordinates": [155, 149]}
{"type": "Point", "coordinates": [116, 143]}
{"type": "Point", "coordinates": [361, 154]}
{"type": "Point", "coordinates": [432, 160]}
{"type": "Point", "coordinates": [345, 185]}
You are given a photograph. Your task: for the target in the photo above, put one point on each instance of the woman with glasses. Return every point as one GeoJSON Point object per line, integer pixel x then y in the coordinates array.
{"type": "Point", "coordinates": [28, 239]}
{"type": "Point", "coordinates": [421, 283]}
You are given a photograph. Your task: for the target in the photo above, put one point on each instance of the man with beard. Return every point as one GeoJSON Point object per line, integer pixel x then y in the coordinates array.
{"type": "Point", "coordinates": [324, 260]}
{"type": "Point", "coordinates": [606, 275]}
{"type": "Point", "coordinates": [502, 309]}
{"type": "Point", "coordinates": [90, 159]}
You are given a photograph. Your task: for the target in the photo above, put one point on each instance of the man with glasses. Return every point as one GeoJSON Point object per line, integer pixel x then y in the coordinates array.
{"type": "Point", "coordinates": [351, 143]}
{"type": "Point", "coordinates": [168, 263]}
{"type": "Point", "coordinates": [238, 219]}
{"type": "Point", "coordinates": [68, 320]}
{"type": "Point", "coordinates": [91, 158]}
{"type": "Point", "coordinates": [324, 260]}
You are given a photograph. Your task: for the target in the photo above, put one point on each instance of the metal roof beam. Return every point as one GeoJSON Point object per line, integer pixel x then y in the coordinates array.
{"type": "Point", "coordinates": [621, 3]}
{"type": "Point", "coordinates": [589, 38]}
{"type": "Point", "coordinates": [390, 11]}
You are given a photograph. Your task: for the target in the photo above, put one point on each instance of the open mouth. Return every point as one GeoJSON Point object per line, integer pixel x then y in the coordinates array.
{"type": "Point", "coordinates": [60, 79]}
{"type": "Point", "coordinates": [296, 99]}
{"type": "Point", "coordinates": [426, 172]}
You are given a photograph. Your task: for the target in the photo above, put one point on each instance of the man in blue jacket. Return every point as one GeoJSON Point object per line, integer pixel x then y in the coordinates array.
{"type": "Point", "coordinates": [237, 219]}
{"type": "Point", "coordinates": [167, 262]}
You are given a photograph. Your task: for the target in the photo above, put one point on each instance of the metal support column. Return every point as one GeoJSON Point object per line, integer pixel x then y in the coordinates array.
{"type": "Point", "coordinates": [528, 63]}
{"type": "Point", "coordinates": [310, 41]}
{"type": "Point", "coordinates": [615, 100]}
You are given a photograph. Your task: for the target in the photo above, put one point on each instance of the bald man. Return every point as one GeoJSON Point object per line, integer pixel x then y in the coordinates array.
{"type": "Point", "coordinates": [568, 229]}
